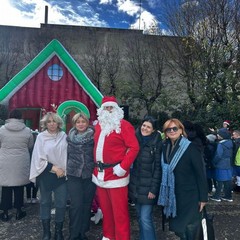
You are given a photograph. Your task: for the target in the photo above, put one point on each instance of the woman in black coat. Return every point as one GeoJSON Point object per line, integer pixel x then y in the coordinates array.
{"type": "Point", "coordinates": [183, 191]}
{"type": "Point", "coordinates": [145, 176]}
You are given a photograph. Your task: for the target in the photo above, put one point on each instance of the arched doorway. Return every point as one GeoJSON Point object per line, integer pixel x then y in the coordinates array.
{"type": "Point", "coordinates": [68, 109]}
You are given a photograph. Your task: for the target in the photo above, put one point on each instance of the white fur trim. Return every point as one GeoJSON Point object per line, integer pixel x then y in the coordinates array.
{"type": "Point", "coordinates": [122, 182]}
{"type": "Point", "coordinates": [109, 104]}
{"type": "Point", "coordinates": [119, 171]}
{"type": "Point", "coordinates": [100, 144]}
{"type": "Point", "coordinates": [105, 238]}
{"type": "Point", "coordinates": [101, 175]}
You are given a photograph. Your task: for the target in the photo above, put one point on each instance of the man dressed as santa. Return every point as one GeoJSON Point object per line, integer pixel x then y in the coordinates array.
{"type": "Point", "coordinates": [116, 147]}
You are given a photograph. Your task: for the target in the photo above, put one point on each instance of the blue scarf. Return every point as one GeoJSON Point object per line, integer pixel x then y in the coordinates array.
{"type": "Point", "coordinates": [167, 196]}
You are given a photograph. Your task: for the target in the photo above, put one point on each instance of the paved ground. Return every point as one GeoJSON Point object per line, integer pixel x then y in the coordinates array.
{"type": "Point", "coordinates": [226, 222]}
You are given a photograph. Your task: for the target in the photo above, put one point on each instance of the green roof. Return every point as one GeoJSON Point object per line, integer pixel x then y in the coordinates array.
{"type": "Point", "coordinates": [53, 48]}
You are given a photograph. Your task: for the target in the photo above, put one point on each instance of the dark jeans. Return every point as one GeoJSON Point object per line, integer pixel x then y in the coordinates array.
{"type": "Point", "coordinates": [81, 192]}
{"type": "Point", "coordinates": [7, 197]}
{"type": "Point", "coordinates": [31, 190]}
{"type": "Point", "coordinates": [60, 201]}
{"type": "Point", "coordinates": [227, 188]}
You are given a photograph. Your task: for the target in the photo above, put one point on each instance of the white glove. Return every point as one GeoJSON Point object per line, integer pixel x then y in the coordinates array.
{"type": "Point", "coordinates": [119, 171]}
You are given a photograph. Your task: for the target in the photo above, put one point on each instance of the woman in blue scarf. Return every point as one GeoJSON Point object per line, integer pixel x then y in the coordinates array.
{"type": "Point", "coordinates": [183, 190]}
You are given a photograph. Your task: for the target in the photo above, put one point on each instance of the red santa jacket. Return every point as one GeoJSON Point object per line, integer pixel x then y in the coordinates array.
{"type": "Point", "coordinates": [120, 147]}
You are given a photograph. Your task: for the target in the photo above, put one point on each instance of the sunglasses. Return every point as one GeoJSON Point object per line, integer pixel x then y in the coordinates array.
{"type": "Point", "coordinates": [168, 130]}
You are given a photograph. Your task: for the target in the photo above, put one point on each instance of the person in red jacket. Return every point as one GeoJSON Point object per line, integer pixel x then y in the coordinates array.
{"type": "Point", "coordinates": [116, 147]}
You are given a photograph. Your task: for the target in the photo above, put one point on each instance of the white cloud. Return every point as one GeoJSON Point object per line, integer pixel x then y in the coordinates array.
{"type": "Point", "coordinates": [16, 13]}
{"type": "Point", "coordinates": [128, 7]}
{"type": "Point", "coordinates": [105, 2]}
{"type": "Point", "coordinates": [10, 15]}
{"type": "Point", "coordinates": [146, 21]}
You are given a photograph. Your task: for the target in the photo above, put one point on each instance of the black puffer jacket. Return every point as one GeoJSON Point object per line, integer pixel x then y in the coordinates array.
{"type": "Point", "coordinates": [80, 154]}
{"type": "Point", "coordinates": [145, 175]}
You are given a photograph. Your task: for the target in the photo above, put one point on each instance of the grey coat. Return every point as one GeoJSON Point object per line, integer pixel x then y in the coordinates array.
{"type": "Point", "coordinates": [15, 142]}
{"type": "Point", "coordinates": [80, 154]}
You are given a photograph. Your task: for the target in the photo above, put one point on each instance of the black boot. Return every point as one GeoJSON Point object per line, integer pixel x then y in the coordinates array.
{"type": "Point", "coordinates": [236, 189]}
{"type": "Point", "coordinates": [4, 216]}
{"type": "Point", "coordinates": [20, 214]}
{"type": "Point", "coordinates": [84, 237]}
{"type": "Point", "coordinates": [58, 231]}
{"type": "Point", "coordinates": [46, 229]}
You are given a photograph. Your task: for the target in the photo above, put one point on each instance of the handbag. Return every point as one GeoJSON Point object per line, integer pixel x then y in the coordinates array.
{"type": "Point", "coordinates": [206, 228]}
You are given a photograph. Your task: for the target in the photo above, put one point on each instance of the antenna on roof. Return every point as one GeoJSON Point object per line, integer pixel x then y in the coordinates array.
{"type": "Point", "coordinates": [46, 15]}
{"type": "Point", "coordinates": [140, 4]}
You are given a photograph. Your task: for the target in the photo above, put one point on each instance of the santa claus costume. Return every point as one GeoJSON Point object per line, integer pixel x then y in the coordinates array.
{"type": "Point", "coordinates": [116, 147]}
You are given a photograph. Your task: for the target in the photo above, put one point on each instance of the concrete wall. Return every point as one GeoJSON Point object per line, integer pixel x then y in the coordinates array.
{"type": "Point", "coordinates": [19, 45]}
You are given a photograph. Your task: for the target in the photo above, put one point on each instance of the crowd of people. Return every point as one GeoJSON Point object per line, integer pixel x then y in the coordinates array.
{"type": "Point", "coordinates": [99, 169]}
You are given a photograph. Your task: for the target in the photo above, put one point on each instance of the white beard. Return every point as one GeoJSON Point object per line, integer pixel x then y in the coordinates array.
{"type": "Point", "coordinates": [110, 121]}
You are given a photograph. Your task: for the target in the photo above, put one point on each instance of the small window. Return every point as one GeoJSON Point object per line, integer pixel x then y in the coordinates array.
{"type": "Point", "coordinates": [55, 72]}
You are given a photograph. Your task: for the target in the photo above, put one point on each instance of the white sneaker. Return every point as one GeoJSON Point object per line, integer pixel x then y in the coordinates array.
{"type": "Point", "coordinates": [53, 211]}
{"type": "Point", "coordinates": [98, 216]}
{"type": "Point", "coordinates": [29, 200]}
{"type": "Point", "coordinates": [92, 218]}
{"type": "Point", "coordinates": [227, 199]}
{"type": "Point", "coordinates": [35, 200]}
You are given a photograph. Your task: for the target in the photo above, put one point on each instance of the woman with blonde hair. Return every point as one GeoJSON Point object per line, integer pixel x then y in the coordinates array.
{"type": "Point", "coordinates": [80, 165]}
{"type": "Point", "coordinates": [183, 190]}
{"type": "Point", "coordinates": [48, 169]}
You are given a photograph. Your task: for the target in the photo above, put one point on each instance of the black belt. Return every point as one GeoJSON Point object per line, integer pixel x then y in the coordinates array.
{"type": "Point", "coordinates": [101, 166]}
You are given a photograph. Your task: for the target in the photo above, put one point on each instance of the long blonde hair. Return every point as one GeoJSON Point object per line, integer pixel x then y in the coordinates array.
{"type": "Point", "coordinates": [56, 118]}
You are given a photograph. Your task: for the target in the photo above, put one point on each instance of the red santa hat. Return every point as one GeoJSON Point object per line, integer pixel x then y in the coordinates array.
{"type": "Point", "coordinates": [227, 122]}
{"type": "Point", "coordinates": [109, 101]}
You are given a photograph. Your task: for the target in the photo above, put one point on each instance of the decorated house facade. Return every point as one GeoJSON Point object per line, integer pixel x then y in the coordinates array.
{"type": "Point", "coordinates": [52, 81]}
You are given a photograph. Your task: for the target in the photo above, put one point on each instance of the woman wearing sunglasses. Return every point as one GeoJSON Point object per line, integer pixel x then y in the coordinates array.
{"type": "Point", "coordinates": [183, 190]}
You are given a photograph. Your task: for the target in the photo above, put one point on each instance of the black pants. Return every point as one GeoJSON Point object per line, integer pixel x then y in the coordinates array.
{"type": "Point", "coordinates": [7, 197]}
{"type": "Point", "coordinates": [31, 190]}
{"type": "Point", "coordinates": [81, 192]}
{"type": "Point", "coordinates": [191, 231]}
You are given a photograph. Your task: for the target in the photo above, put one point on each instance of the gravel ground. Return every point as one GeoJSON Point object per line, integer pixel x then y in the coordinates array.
{"type": "Point", "coordinates": [226, 223]}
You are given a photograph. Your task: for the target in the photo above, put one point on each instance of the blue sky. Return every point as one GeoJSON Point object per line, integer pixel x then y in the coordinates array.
{"type": "Point", "coordinates": [99, 13]}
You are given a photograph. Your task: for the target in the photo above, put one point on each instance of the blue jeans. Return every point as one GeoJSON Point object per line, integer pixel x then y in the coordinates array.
{"type": "Point", "coordinates": [145, 221]}
{"type": "Point", "coordinates": [60, 201]}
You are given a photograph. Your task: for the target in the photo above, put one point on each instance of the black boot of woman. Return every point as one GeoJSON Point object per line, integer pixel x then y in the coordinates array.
{"type": "Point", "coordinates": [58, 231]}
{"type": "Point", "coordinates": [20, 214]}
{"type": "Point", "coordinates": [46, 229]}
{"type": "Point", "coordinates": [4, 216]}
